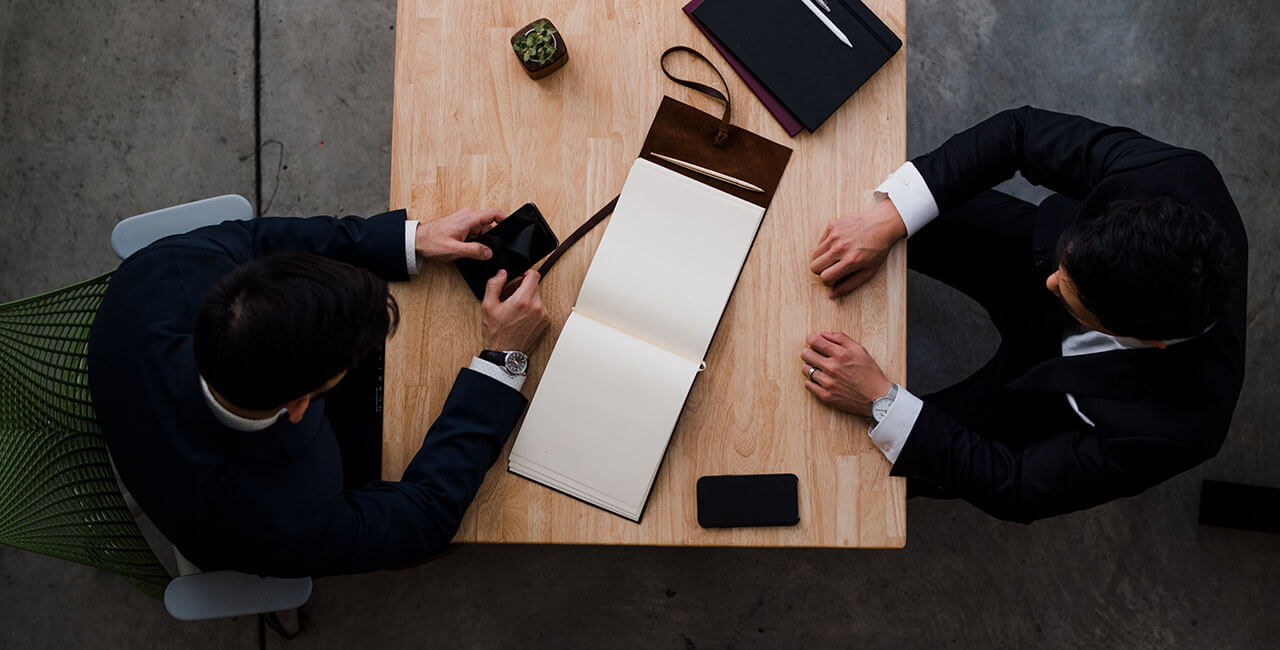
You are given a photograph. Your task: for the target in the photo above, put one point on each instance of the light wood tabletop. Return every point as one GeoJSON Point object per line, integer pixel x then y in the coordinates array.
{"type": "Point", "coordinates": [472, 130]}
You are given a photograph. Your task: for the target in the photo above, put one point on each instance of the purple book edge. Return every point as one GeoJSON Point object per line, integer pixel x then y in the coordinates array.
{"type": "Point", "coordinates": [788, 121]}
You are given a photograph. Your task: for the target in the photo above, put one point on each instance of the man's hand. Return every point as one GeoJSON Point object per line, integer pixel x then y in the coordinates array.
{"type": "Point", "coordinates": [846, 376]}
{"type": "Point", "coordinates": [854, 247]}
{"type": "Point", "coordinates": [517, 322]}
{"type": "Point", "coordinates": [445, 240]}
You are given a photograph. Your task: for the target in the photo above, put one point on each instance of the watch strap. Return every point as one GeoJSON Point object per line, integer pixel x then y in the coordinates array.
{"type": "Point", "coordinates": [496, 357]}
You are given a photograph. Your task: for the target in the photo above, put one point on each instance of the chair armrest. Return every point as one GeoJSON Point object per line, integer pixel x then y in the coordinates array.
{"type": "Point", "coordinates": [223, 594]}
{"type": "Point", "coordinates": [137, 232]}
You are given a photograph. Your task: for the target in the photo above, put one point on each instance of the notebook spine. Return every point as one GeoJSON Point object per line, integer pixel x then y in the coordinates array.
{"type": "Point", "coordinates": [871, 26]}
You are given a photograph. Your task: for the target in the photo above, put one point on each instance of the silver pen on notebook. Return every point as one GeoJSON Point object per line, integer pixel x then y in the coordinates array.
{"type": "Point", "coordinates": [827, 21]}
{"type": "Point", "coordinates": [709, 172]}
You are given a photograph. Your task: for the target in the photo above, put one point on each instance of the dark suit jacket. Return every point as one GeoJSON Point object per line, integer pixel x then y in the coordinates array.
{"type": "Point", "coordinates": [1157, 412]}
{"type": "Point", "coordinates": [271, 502]}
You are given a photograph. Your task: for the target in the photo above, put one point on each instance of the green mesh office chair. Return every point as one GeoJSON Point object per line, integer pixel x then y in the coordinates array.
{"type": "Point", "coordinates": [58, 492]}
{"type": "Point", "coordinates": [58, 495]}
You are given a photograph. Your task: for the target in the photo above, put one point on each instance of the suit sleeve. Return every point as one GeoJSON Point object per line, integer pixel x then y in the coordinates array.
{"type": "Point", "coordinates": [387, 524]}
{"type": "Point", "coordinates": [376, 243]}
{"type": "Point", "coordinates": [1061, 474]}
{"type": "Point", "coordinates": [1065, 153]}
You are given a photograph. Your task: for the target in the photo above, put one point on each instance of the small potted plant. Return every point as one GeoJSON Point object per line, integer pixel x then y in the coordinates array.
{"type": "Point", "coordinates": [540, 48]}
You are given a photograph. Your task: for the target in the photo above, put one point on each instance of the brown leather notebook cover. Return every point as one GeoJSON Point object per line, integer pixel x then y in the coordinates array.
{"type": "Point", "coordinates": [688, 134]}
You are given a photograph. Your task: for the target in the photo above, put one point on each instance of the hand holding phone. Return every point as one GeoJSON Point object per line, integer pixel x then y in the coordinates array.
{"type": "Point", "coordinates": [517, 242]}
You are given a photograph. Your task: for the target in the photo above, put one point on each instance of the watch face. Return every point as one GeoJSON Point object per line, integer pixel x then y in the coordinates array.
{"type": "Point", "coordinates": [516, 363]}
{"type": "Point", "coordinates": [880, 408]}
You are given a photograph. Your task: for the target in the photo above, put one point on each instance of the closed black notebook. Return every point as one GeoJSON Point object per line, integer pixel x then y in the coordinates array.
{"type": "Point", "coordinates": [796, 56]}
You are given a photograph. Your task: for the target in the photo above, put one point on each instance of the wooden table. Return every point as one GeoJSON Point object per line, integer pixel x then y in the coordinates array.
{"type": "Point", "coordinates": [470, 129]}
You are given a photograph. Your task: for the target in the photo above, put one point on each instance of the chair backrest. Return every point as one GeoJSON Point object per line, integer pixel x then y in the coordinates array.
{"type": "Point", "coordinates": [58, 496]}
{"type": "Point", "coordinates": [135, 233]}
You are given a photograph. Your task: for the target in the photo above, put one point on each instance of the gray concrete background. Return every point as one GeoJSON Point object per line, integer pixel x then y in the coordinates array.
{"type": "Point", "coordinates": [111, 109]}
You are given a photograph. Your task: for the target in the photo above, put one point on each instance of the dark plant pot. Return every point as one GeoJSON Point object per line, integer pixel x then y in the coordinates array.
{"type": "Point", "coordinates": [539, 70]}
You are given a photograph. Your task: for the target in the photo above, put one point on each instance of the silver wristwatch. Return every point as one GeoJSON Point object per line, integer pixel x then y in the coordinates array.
{"type": "Point", "coordinates": [880, 407]}
{"type": "Point", "coordinates": [514, 362]}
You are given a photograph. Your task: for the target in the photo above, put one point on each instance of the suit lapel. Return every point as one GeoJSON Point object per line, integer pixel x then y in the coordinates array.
{"type": "Point", "coordinates": [1110, 375]}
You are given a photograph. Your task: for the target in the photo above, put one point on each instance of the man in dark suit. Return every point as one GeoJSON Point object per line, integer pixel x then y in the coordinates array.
{"type": "Point", "coordinates": [209, 363]}
{"type": "Point", "coordinates": [1120, 303]}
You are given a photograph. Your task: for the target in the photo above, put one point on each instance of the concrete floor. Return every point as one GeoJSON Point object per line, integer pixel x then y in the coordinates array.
{"type": "Point", "coordinates": [111, 109]}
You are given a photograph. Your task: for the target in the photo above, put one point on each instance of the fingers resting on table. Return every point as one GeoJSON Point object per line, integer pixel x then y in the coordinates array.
{"type": "Point", "coordinates": [853, 247]}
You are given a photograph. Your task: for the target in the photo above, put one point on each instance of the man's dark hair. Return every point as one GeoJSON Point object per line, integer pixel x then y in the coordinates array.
{"type": "Point", "coordinates": [1152, 269]}
{"type": "Point", "coordinates": [281, 326]}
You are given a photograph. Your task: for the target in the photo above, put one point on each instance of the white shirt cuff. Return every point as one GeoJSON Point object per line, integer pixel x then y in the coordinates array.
{"type": "Point", "coordinates": [492, 370]}
{"type": "Point", "coordinates": [410, 248]}
{"type": "Point", "coordinates": [890, 434]}
{"type": "Point", "coordinates": [910, 195]}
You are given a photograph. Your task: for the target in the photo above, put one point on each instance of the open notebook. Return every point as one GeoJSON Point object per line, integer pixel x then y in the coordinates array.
{"type": "Point", "coordinates": [620, 372]}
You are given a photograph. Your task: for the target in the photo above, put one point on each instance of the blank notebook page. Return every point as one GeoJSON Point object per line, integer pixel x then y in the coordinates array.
{"type": "Point", "coordinates": [622, 368]}
{"type": "Point", "coordinates": [603, 414]}
{"type": "Point", "coordinates": [669, 259]}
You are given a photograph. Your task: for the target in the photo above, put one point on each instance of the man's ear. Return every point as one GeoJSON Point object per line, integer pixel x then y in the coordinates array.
{"type": "Point", "coordinates": [298, 408]}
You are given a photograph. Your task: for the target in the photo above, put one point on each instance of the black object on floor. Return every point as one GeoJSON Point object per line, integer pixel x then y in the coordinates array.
{"type": "Point", "coordinates": [272, 620]}
{"type": "Point", "coordinates": [1236, 505]}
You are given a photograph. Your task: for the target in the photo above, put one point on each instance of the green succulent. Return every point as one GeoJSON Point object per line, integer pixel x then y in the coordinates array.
{"type": "Point", "coordinates": [538, 44]}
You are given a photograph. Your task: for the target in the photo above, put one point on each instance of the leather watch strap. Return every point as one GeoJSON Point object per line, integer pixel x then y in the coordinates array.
{"type": "Point", "coordinates": [496, 357]}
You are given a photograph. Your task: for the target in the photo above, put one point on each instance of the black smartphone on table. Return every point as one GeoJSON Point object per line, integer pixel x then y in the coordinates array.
{"type": "Point", "coordinates": [517, 242]}
{"type": "Point", "coordinates": [748, 500]}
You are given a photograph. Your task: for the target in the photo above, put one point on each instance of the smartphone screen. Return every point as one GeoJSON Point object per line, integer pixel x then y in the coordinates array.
{"type": "Point", "coordinates": [748, 500]}
{"type": "Point", "coordinates": [526, 230]}
{"type": "Point", "coordinates": [517, 242]}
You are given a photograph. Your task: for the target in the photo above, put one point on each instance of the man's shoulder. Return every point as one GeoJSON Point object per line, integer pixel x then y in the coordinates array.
{"type": "Point", "coordinates": [175, 252]}
{"type": "Point", "coordinates": [1188, 177]}
{"type": "Point", "coordinates": [160, 286]}
{"type": "Point", "coordinates": [1178, 172]}
{"type": "Point", "coordinates": [142, 375]}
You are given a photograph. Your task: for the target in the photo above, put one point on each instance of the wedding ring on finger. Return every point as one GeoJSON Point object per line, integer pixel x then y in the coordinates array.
{"type": "Point", "coordinates": [811, 371]}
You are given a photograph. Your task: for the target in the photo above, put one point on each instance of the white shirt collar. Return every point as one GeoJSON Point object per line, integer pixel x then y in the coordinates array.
{"type": "Point", "coordinates": [1091, 341]}
{"type": "Point", "coordinates": [231, 420]}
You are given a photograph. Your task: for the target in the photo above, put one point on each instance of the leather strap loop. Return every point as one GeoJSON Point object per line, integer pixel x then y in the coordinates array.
{"type": "Point", "coordinates": [576, 235]}
{"type": "Point", "coordinates": [723, 135]}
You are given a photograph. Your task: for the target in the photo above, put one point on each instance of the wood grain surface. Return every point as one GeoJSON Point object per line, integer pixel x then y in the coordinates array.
{"type": "Point", "coordinates": [470, 129]}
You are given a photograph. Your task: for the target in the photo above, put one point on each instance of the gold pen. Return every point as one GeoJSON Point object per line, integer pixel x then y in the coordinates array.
{"type": "Point", "coordinates": [713, 174]}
